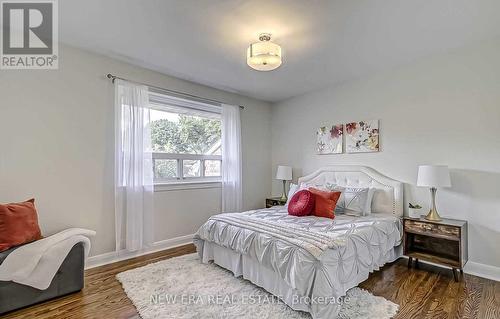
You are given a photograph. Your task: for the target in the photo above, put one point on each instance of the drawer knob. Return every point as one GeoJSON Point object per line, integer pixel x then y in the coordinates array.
{"type": "Point", "coordinates": [427, 227]}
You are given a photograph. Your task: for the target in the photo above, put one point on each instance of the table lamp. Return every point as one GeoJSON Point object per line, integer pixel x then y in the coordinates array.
{"type": "Point", "coordinates": [433, 176]}
{"type": "Point", "coordinates": [284, 173]}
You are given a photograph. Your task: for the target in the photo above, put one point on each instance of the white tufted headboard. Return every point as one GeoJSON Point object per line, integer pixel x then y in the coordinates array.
{"type": "Point", "coordinates": [388, 197]}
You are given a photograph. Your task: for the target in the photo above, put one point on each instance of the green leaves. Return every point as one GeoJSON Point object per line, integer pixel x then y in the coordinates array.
{"type": "Point", "coordinates": [416, 206]}
{"type": "Point", "coordinates": [190, 135]}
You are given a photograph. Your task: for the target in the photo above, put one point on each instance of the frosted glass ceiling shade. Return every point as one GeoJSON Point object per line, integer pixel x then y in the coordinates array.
{"type": "Point", "coordinates": [264, 55]}
{"type": "Point", "coordinates": [433, 176]}
{"type": "Point", "coordinates": [284, 173]}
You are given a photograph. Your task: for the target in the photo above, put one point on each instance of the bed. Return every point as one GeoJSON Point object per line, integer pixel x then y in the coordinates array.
{"type": "Point", "coordinates": [309, 262]}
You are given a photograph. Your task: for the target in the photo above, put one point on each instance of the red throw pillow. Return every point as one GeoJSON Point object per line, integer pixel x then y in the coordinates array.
{"type": "Point", "coordinates": [301, 204]}
{"type": "Point", "coordinates": [18, 224]}
{"type": "Point", "coordinates": [325, 202]}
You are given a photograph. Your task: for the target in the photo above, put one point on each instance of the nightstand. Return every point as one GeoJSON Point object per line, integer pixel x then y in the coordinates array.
{"type": "Point", "coordinates": [443, 242]}
{"type": "Point", "coordinates": [274, 201]}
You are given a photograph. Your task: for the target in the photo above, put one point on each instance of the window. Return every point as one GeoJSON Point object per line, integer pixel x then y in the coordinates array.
{"type": "Point", "coordinates": [185, 140]}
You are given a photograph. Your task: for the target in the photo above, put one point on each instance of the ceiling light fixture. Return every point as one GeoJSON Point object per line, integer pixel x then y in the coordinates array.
{"type": "Point", "coordinates": [264, 55]}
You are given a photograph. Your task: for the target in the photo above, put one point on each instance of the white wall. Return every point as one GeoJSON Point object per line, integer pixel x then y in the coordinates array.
{"type": "Point", "coordinates": [182, 212]}
{"type": "Point", "coordinates": [56, 144]}
{"type": "Point", "coordinates": [441, 110]}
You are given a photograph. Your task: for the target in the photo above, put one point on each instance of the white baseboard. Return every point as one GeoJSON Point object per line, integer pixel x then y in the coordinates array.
{"type": "Point", "coordinates": [482, 270]}
{"type": "Point", "coordinates": [476, 269]}
{"type": "Point", "coordinates": [112, 257]}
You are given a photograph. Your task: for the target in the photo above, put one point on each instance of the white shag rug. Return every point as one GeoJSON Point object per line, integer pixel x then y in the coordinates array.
{"type": "Point", "coordinates": [183, 287]}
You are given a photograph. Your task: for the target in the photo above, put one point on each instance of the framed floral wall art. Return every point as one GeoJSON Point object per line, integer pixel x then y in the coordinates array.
{"type": "Point", "coordinates": [329, 139]}
{"type": "Point", "coordinates": [362, 136]}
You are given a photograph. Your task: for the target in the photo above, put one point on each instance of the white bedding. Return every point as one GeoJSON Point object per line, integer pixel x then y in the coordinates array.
{"type": "Point", "coordinates": [361, 245]}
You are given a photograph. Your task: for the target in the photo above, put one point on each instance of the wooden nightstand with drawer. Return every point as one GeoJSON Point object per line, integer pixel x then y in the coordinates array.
{"type": "Point", "coordinates": [443, 242]}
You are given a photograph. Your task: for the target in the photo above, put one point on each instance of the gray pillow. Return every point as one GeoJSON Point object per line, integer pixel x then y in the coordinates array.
{"type": "Point", "coordinates": [357, 201]}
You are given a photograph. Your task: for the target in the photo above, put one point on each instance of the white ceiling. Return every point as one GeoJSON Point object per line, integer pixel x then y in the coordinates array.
{"type": "Point", "coordinates": [324, 42]}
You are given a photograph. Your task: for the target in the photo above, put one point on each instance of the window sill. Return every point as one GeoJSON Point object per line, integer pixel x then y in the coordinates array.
{"type": "Point", "coordinates": [175, 186]}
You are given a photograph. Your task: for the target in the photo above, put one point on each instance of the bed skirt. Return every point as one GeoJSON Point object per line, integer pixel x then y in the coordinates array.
{"type": "Point", "coordinates": [262, 276]}
{"type": "Point", "coordinates": [250, 269]}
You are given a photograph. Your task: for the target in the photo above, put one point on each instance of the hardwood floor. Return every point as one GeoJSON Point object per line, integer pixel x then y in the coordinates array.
{"type": "Point", "coordinates": [102, 297]}
{"type": "Point", "coordinates": [428, 292]}
{"type": "Point", "coordinates": [431, 292]}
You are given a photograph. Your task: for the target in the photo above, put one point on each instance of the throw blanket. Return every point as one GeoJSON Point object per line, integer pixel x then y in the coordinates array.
{"type": "Point", "coordinates": [35, 264]}
{"type": "Point", "coordinates": [314, 242]}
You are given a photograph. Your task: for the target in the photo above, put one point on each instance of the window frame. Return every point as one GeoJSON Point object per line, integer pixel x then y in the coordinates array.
{"type": "Point", "coordinates": [180, 179]}
{"type": "Point", "coordinates": [156, 100]}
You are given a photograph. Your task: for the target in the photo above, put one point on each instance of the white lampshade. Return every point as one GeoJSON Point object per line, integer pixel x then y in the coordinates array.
{"type": "Point", "coordinates": [433, 176]}
{"type": "Point", "coordinates": [284, 173]}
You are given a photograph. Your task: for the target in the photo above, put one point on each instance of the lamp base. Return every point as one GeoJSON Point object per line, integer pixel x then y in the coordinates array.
{"type": "Point", "coordinates": [433, 216]}
{"type": "Point", "coordinates": [283, 195]}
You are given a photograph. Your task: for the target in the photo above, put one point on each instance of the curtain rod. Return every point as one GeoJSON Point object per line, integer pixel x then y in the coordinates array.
{"type": "Point", "coordinates": [114, 77]}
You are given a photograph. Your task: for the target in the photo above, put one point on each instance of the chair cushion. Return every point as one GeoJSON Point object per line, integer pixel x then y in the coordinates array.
{"type": "Point", "coordinates": [68, 279]}
{"type": "Point", "coordinates": [18, 224]}
{"type": "Point", "coordinates": [301, 203]}
{"type": "Point", "coordinates": [325, 202]}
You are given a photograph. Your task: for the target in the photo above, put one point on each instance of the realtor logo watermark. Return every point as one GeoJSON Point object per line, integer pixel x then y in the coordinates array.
{"type": "Point", "coordinates": [29, 35]}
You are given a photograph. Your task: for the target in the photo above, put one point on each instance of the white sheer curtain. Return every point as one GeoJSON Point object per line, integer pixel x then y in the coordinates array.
{"type": "Point", "coordinates": [133, 167]}
{"type": "Point", "coordinates": [231, 159]}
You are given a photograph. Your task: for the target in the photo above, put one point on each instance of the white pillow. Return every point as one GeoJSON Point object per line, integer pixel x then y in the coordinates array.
{"type": "Point", "coordinates": [369, 200]}
{"type": "Point", "coordinates": [294, 188]}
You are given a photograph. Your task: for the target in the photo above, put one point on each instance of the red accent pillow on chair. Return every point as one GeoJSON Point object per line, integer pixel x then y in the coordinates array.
{"type": "Point", "coordinates": [301, 204]}
{"type": "Point", "coordinates": [18, 224]}
{"type": "Point", "coordinates": [325, 203]}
